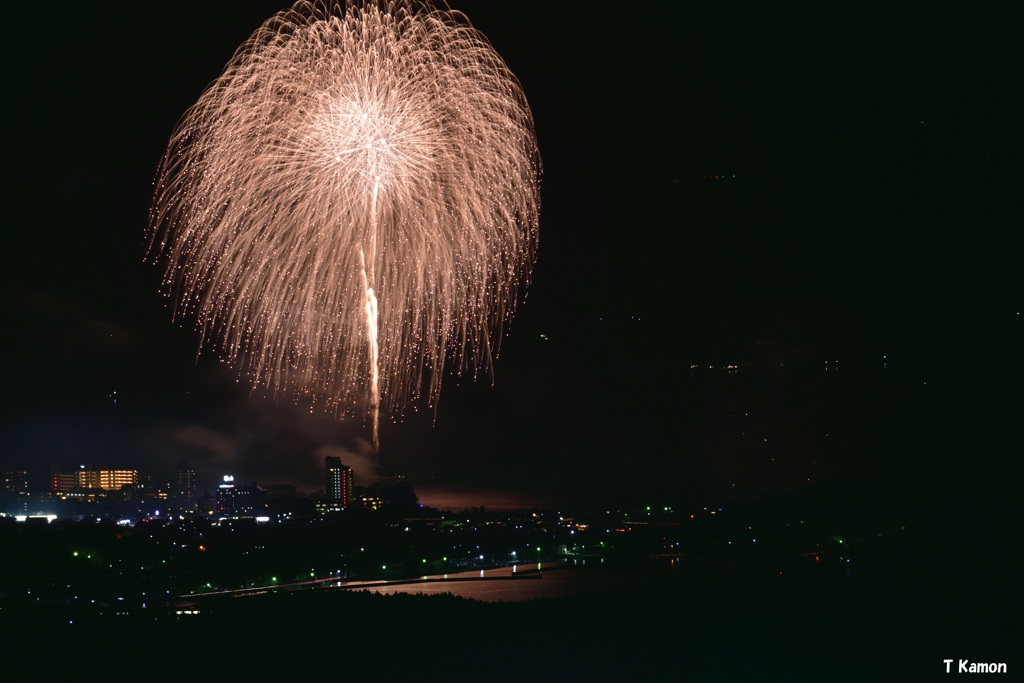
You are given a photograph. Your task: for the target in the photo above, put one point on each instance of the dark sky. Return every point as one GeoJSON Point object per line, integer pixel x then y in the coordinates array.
{"type": "Point", "coordinates": [866, 204]}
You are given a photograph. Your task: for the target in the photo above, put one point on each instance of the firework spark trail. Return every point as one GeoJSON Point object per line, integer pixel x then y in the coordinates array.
{"type": "Point", "coordinates": [352, 203]}
{"type": "Point", "coordinates": [371, 320]}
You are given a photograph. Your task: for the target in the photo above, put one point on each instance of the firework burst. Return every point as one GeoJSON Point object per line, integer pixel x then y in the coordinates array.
{"type": "Point", "coordinates": [352, 203]}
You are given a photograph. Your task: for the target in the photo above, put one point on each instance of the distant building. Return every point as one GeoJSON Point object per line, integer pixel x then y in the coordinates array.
{"type": "Point", "coordinates": [238, 502]}
{"type": "Point", "coordinates": [89, 479]}
{"type": "Point", "coordinates": [185, 489]}
{"type": "Point", "coordinates": [14, 482]}
{"type": "Point", "coordinates": [64, 482]}
{"type": "Point", "coordinates": [338, 486]}
{"type": "Point", "coordinates": [14, 496]}
{"type": "Point", "coordinates": [113, 480]}
{"type": "Point", "coordinates": [284, 502]}
{"type": "Point", "coordinates": [278, 491]}
{"type": "Point", "coordinates": [207, 505]}
{"type": "Point", "coordinates": [324, 506]}
{"type": "Point", "coordinates": [371, 502]}
{"type": "Point", "coordinates": [140, 495]}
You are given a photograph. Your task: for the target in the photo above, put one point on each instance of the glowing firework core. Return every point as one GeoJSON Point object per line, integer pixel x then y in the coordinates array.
{"type": "Point", "coordinates": [353, 200]}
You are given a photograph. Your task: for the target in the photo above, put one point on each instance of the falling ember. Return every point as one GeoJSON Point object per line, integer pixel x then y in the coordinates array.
{"type": "Point", "coordinates": [352, 204]}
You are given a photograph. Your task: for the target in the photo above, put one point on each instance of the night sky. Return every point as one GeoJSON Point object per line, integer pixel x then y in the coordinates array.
{"type": "Point", "coordinates": [774, 185]}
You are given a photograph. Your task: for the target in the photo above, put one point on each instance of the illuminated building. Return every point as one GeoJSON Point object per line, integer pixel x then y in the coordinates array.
{"type": "Point", "coordinates": [371, 502]}
{"type": "Point", "coordinates": [142, 492]}
{"type": "Point", "coordinates": [185, 494]}
{"type": "Point", "coordinates": [15, 481]}
{"type": "Point", "coordinates": [338, 487]}
{"type": "Point", "coordinates": [113, 480]}
{"type": "Point", "coordinates": [14, 492]}
{"type": "Point", "coordinates": [238, 502]}
{"type": "Point", "coordinates": [64, 482]}
{"type": "Point", "coordinates": [89, 478]}
{"type": "Point", "coordinates": [325, 506]}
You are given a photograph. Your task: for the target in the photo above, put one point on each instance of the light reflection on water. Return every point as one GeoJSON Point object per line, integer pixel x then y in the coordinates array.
{"type": "Point", "coordinates": [456, 499]}
{"type": "Point", "coordinates": [510, 584]}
